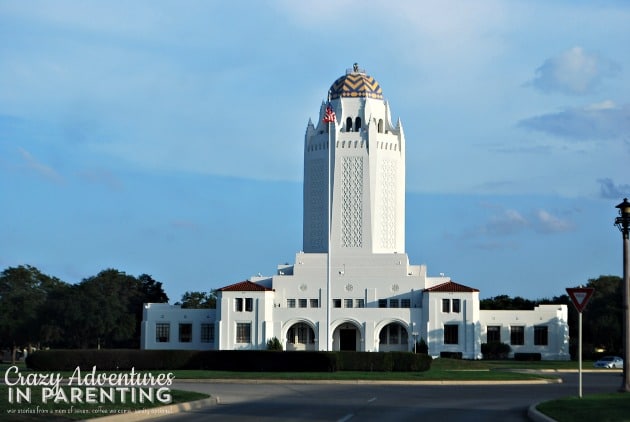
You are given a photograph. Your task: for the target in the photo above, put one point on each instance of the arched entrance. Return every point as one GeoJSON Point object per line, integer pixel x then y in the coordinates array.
{"type": "Point", "coordinates": [347, 337]}
{"type": "Point", "coordinates": [393, 338]}
{"type": "Point", "coordinates": [300, 336]}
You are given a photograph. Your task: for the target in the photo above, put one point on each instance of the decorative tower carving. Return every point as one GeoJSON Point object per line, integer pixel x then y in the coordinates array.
{"type": "Point", "coordinates": [367, 186]}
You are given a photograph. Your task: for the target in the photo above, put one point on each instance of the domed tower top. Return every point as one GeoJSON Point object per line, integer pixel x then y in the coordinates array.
{"type": "Point", "coordinates": [355, 84]}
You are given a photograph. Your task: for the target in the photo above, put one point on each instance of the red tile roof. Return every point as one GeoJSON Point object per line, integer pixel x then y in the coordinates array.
{"type": "Point", "coordinates": [450, 286]}
{"type": "Point", "coordinates": [245, 286]}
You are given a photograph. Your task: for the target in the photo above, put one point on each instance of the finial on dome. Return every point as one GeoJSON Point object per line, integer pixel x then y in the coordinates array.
{"type": "Point", "coordinates": [355, 67]}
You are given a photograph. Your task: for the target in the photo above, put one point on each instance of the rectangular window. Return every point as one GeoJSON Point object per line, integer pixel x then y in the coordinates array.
{"type": "Point", "coordinates": [456, 305]}
{"type": "Point", "coordinates": [446, 305]}
{"type": "Point", "coordinates": [162, 332]}
{"type": "Point", "coordinates": [243, 332]}
{"type": "Point", "coordinates": [185, 333]}
{"type": "Point", "coordinates": [314, 303]}
{"type": "Point", "coordinates": [451, 334]}
{"type": "Point", "coordinates": [405, 303]}
{"type": "Point", "coordinates": [393, 303]}
{"type": "Point", "coordinates": [360, 303]}
{"type": "Point", "coordinates": [249, 304]}
{"type": "Point", "coordinates": [207, 333]}
{"type": "Point", "coordinates": [336, 303]}
{"type": "Point", "coordinates": [541, 335]}
{"type": "Point", "coordinates": [493, 334]}
{"type": "Point", "coordinates": [302, 303]}
{"type": "Point", "coordinates": [382, 303]}
{"type": "Point", "coordinates": [517, 335]}
{"type": "Point", "coordinates": [238, 304]}
{"type": "Point", "coordinates": [290, 303]}
{"type": "Point", "coordinates": [348, 303]}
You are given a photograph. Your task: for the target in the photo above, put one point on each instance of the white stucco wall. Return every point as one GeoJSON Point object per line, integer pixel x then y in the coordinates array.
{"type": "Point", "coordinates": [554, 317]}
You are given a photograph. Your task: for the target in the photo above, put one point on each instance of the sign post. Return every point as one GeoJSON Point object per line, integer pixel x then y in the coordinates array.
{"type": "Point", "coordinates": [580, 296]}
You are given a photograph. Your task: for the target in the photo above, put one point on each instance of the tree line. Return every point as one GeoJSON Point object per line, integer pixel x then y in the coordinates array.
{"type": "Point", "coordinates": [105, 310]}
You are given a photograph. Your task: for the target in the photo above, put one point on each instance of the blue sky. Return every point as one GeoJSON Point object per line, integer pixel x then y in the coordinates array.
{"type": "Point", "coordinates": [165, 137]}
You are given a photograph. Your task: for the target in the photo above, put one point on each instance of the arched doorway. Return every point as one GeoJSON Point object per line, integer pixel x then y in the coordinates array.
{"type": "Point", "coordinates": [347, 337]}
{"type": "Point", "coordinates": [300, 336]}
{"type": "Point", "coordinates": [393, 338]}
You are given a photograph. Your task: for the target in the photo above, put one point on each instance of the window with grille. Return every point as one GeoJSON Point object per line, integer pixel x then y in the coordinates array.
{"type": "Point", "coordinates": [302, 303]}
{"type": "Point", "coordinates": [541, 335]}
{"type": "Point", "coordinates": [446, 305]}
{"type": "Point", "coordinates": [393, 303]}
{"type": "Point", "coordinates": [249, 304]}
{"type": "Point", "coordinates": [517, 335]}
{"type": "Point", "coordinates": [290, 303]}
{"type": "Point", "coordinates": [360, 303]}
{"type": "Point", "coordinates": [238, 304]}
{"type": "Point", "coordinates": [336, 303]}
{"type": "Point", "coordinates": [456, 305]}
{"type": "Point", "coordinates": [243, 332]}
{"type": "Point", "coordinates": [185, 333]}
{"type": "Point", "coordinates": [314, 303]}
{"type": "Point", "coordinates": [405, 303]}
{"type": "Point", "coordinates": [382, 303]}
{"type": "Point", "coordinates": [207, 333]}
{"type": "Point", "coordinates": [493, 334]}
{"type": "Point", "coordinates": [348, 303]}
{"type": "Point", "coordinates": [162, 332]}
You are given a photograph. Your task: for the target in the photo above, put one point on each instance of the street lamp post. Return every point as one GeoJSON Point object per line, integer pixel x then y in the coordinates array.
{"type": "Point", "coordinates": [623, 224]}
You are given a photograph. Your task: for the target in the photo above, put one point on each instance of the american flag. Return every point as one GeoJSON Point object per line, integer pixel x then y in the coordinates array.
{"type": "Point", "coordinates": [329, 116]}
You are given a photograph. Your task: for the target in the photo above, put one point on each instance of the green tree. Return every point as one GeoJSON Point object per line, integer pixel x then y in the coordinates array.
{"type": "Point", "coordinates": [23, 293]}
{"type": "Point", "coordinates": [603, 315]}
{"type": "Point", "coordinates": [107, 317]}
{"type": "Point", "coordinates": [199, 300]}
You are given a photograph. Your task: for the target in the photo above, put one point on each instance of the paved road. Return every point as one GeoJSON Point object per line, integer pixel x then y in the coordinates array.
{"type": "Point", "coordinates": [375, 402]}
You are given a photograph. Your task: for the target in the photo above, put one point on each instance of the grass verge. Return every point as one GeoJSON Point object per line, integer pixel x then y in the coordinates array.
{"type": "Point", "coordinates": [597, 407]}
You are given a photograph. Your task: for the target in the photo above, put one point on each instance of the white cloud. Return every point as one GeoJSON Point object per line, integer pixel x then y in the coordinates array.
{"type": "Point", "coordinates": [574, 72]}
{"type": "Point", "coordinates": [603, 120]}
{"type": "Point", "coordinates": [509, 222]}
{"type": "Point", "coordinates": [40, 168]}
{"type": "Point", "coordinates": [545, 222]}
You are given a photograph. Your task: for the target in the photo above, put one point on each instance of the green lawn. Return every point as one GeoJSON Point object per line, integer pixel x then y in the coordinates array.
{"type": "Point", "coordinates": [612, 407]}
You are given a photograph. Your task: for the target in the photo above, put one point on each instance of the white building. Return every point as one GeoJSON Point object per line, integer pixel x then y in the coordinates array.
{"type": "Point", "coordinates": [364, 295]}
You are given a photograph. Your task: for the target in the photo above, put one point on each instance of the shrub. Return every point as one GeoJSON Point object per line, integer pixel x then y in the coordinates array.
{"type": "Point", "coordinates": [274, 344]}
{"type": "Point", "coordinates": [495, 350]}
{"type": "Point", "coordinates": [422, 347]}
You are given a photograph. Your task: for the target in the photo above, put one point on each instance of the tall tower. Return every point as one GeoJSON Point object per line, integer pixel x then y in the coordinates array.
{"type": "Point", "coordinates": [366, 179]}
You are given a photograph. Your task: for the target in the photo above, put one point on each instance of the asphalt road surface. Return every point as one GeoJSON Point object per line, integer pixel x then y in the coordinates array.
{"type": "Point", "coordinates": [377, 402]}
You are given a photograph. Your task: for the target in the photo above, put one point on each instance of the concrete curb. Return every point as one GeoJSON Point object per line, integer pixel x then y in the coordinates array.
{"type": "Point", "coordinates": [536, 416]}
{"type": "Point", "coordinates": [156, 412]}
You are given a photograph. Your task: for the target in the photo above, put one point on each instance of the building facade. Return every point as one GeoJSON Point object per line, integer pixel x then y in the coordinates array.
{"type": "Point", "coordinates": [352, 286]}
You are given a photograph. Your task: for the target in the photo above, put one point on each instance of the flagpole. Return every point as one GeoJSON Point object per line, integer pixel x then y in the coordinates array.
{"type": "Point", "coordinates": [329, 218]}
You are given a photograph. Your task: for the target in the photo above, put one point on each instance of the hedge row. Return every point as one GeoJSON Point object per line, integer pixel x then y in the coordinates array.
{"type": "Point", "coordinates": [527, 356]}
{"type": "Point", "coordinates": [227, 360]}
{"type": "Point", "coordinates": [380, 362]}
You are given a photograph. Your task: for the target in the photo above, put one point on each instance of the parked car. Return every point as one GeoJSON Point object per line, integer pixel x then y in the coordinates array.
{"type": "Point", "coordinates": [609, 362]}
